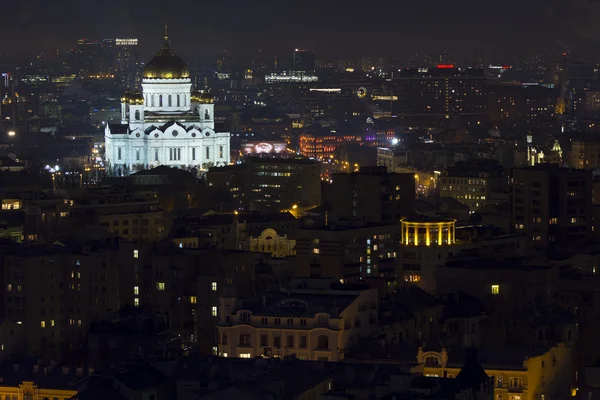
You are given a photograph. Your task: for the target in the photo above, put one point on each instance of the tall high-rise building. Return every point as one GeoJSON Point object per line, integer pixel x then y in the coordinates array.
{"type": "Point", "coordinates": [552, 205]}
{"type": "Point", "coordinates": [372, 195]}
{"type": "Point", "coordinates": [440, 92]}
{"type": "Point", "coordinates": [304, 60]}
{"type": "Point", "coordinates": [269, 184]}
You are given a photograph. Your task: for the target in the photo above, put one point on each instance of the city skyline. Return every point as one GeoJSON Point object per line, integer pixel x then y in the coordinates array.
{"type": "Point", "coordinates": [384, 27]}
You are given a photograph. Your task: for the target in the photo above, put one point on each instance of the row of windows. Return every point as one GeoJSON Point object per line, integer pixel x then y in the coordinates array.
{"type": "Point", "coordinates": [174, 153]}
{"type": "Point", "coordinates": [180, 100]}
{"type": "Point", "coordinates": [244, 340]}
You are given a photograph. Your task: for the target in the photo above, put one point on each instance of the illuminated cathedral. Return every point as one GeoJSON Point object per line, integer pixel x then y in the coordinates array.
{"type": "Point", "coordinates": [167, 123]}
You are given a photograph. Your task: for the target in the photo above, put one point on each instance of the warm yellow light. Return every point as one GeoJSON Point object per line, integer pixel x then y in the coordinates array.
{"type": "Point", "coordinates": [236, 212]}
{"type": "Point", "coordinates": [12, 133]}
{"type": "Point", "coordinates": [495, 289]}
{"type": "Point", "coordinates": [295, 206]}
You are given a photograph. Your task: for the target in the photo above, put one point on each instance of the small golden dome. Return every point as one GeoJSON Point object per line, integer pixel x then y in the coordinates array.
{"type": "Point", "coordinates": [136, 98]}
{"type": "Point", "coordinates": [196, 95]}
{"type": "Point", "coordinates": [126, 96]}
{"type": "Point", "coordinates": [166, 64]}
{"type": "Point", "coordinates": [206, 98]}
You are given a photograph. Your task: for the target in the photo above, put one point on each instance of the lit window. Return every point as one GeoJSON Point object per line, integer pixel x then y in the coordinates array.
{"type": "Point", "coordinates": [244, 355]}
{"type": "Point", "coordinates": [214, 311]}
{"type": "Point", "coordinates": [9, 287]}
{"type": "Point", "coordinates": [136, 302]}
{"type": "Point", "coordinates": [213, 286]}
{"type": "Point", "coordinates": [316, 251]}
{"type": "Point", "coordinates": [495, 289]}
{"type": "Point", "coordinates": [51, 322]}
{"type": "Point", "coordinates": [79, 323]}
{"type": "Point", "coordinates": [160, 286]}
{"type": "Point", "coordinates": [136, 290]}
{"type": "Point", "coordinates": [43, 324]}
{"type": "Point", "coordinates": [224, 354]}
{"type": "Point", "coordinates": [136, 254]}
{"type": "Point", "coordinates": [193, 300]}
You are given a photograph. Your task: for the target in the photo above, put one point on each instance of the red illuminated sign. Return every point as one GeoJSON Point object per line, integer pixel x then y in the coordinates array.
{"type": "Point", "coordinates": [445, 66]}
{"type": "Point", "coordinates": [506, 67]}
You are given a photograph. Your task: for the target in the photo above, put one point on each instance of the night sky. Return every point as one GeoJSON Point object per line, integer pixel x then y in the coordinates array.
{"type": "Point", "coordinates": [334, 27]}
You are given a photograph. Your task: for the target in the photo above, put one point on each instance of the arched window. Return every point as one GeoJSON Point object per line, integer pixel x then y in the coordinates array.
{"type": "Point", "coordinates": [160, 103]}
{"type": "Point", "coordinates": [178, 101]}
{"type": "Point", "coordinates": [322, 342]}
{"type": "Point", "coordinates": [220, 151]}
{"type": "Point", "coordinates": [431, 360]}
{"type": "Point", "coordinates": [170, 103]}
{"type": "Point", "coordinates": [206, 115]}
{"type": "Point", "coordinates": [137, 115]}
{"type": "Point", "coordinates": [153, 100]}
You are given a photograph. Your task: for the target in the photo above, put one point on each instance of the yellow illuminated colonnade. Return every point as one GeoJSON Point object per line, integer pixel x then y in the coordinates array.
{"type": "Point", "coordinates": [428, 233]}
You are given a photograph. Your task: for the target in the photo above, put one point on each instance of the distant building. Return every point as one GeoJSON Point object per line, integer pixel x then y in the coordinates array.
{"type": "Point", "coordinates": [475, 183]}
{"type": "Point", "coordinates": [372, 195]}
{"type": "Point", "coordinates": [440, 92]}
{"type": "Point", "coordinates": [348, 253]}
{"type": "Point", "coordinates": [271, 243]}
{"type": "Point", "coordinates": [316, 324]}
{"type": "Point", "coordinates": [427, 243]}
{"type": "Point", "coordinates": [517, 373]}
{"type": "Point", "coordinates": [121, 213]}
{"type": "Point", "coordinates": [552, 205]}
{"type": "Point", "coordinates": [268, 184]}
{"type": "Point", "coordinates": [323, 147]}
{"type": "Point", "coordinates": [585, 154]}
{"type": "Point", "coordinates": [303, 60]}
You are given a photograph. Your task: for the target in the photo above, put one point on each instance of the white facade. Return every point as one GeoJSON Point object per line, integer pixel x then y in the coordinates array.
{"type": "Point", "coordinates": [163, 125]}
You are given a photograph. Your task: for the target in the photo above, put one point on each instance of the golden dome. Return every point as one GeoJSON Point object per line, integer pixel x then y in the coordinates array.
{"type": "Point", "coordinates": [136, 98]}
{"type": "Point", "coordinates": [196, 95]}
{"type": "Point", "coordinates": [126, 96]}
{"type": "Point", "coordinates": [166, 64]}
{"type": "Point", "coordinates": [206, 98]}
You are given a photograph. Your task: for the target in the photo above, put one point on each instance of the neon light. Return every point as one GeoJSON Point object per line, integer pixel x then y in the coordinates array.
{"type": "Point", "coordinates": [506, 67]}
{"type": "Point", "coordinates": [445, 66]}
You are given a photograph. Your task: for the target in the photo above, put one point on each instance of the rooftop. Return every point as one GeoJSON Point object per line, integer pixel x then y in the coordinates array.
{"type": "Point", "coordinates": [301, 304]}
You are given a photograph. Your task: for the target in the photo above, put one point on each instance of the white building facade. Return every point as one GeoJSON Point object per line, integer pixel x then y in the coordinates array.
{"type": "Point", "coordinates": [168, 123]}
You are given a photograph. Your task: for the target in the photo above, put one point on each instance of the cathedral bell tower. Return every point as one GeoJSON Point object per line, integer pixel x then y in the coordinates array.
{"type": "Point", "coordinates": [136, 108]}
{"type": "Point", "coordinates": [206, 110]}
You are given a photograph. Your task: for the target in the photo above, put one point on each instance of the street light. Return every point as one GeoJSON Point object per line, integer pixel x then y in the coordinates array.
{"type": "Point", "coordinates": [12, 133]}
